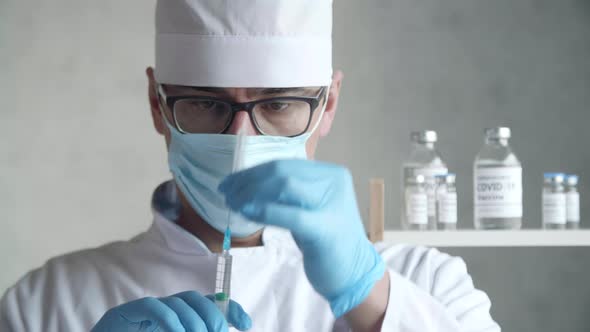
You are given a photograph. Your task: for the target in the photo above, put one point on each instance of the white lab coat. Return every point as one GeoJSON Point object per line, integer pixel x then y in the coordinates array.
{"type": "Point", "coordinates": [429, 290]}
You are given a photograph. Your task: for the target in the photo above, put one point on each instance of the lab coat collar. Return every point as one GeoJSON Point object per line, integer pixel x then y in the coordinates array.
{"type": "Point", "coordinates": [166, 208]}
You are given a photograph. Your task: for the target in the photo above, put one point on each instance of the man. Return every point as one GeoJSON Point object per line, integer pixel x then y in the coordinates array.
{"type": "Point", "coordinates": [301, 260]}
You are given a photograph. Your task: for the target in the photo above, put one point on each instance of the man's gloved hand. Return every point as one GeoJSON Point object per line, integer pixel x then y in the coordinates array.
{"type": "Point", "coordinates": [317, 203]}
{"type": "Point", "coordinates": [186, 311]}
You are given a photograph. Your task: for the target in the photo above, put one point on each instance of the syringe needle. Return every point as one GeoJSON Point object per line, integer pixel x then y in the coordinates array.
{"type": "Point", "coordinates": [224, 260]}
{"type": "Point", "coordinates": [227, 239]}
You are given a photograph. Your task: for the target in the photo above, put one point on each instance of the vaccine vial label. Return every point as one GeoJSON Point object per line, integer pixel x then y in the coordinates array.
{"type": "Point", "coordinates": [554, 208]}
{"type": "Point", "coordinates": [447, 208]}
{"type": "Point", "coordinates": [417, 208]}
{"type": "Point", "coordinates": [430, 184]}
{"type": "Point", "coordinates": [573, 206]}
{"type": "Point", "coordinates": [498, 192]}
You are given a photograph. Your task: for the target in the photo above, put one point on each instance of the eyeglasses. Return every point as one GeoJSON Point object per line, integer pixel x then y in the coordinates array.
{"type": "Point", "coordinates": [279, 116]}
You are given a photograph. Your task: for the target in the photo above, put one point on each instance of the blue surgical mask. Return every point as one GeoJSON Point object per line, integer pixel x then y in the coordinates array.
{"type": "Point", "coordinates": [199, 162]}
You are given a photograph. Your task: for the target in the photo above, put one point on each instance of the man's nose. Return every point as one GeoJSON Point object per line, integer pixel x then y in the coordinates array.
{"type": "Point", "coordinates": [242, 124]}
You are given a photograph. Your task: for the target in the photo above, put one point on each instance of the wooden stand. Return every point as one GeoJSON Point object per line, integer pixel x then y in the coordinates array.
{"type": "Point", "coordinates": [376, 209]}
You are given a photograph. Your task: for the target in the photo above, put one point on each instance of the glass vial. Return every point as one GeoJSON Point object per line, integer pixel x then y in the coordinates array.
{"type": "Point", "coordinates": [424, 160]}
{"type": "Point", "coordinates": [572, 198]}
{"type": "Point", "coordinates": [554, 201]}
{"type": "Point", "coordinates": [497, 182]}
{"type": "Point", "coordinates": [446, 202]}
{"type": "Point", "coordinates": [416, 204]}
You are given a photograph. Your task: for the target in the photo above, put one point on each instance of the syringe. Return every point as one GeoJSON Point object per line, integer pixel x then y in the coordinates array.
{"type": "Point", "coordinates": [223, 276]}
{"type": "Point", "coordinates": [224, 260]}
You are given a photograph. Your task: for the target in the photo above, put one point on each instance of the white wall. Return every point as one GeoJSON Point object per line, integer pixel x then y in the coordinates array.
{"type": "Point", "coordinates": [78, 155]}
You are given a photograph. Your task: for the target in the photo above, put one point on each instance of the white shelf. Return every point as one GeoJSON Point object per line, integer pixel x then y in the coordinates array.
{"type": "Point", "coordinates": [496, 238]}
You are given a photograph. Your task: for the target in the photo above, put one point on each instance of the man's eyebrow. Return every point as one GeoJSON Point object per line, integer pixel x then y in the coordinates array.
{"type": "Point", "coordinates": [301, 91]}
{"type": "Point", "coordinates": [279, 91]}
{"type": "Point", "coordinates": [276, 91]}
{"type": "Point", "coordinates": [205, 89]}
{"type": "Point", "coordinates": [189, 90]}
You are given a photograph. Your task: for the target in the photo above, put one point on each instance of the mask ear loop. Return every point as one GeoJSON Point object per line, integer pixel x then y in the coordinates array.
{"type": "Point", "coordinates": [157, 88]}
{"type": "Point", "coordinates": [170, 126]}
{"type": "Point", "coordinates": [315, 126]}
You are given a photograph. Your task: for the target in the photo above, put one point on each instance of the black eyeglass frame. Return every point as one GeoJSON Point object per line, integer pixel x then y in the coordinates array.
{"type": "Point", "coordinates": [238, 107]}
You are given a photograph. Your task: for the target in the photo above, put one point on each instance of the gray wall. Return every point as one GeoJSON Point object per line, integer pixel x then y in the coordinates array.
{"type": "Point", "coordinates": [458, 66]}
{"type": "Point", "coordinates": [533, 289]}
{"type": "Point", "coordinates": [78, 156]}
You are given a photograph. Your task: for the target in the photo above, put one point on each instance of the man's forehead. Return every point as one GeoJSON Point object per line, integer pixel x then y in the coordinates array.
{"type": "Point", "coordinates": [248, 91]}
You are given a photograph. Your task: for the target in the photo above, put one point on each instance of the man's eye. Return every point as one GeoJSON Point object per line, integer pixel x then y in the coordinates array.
{"type": "Point", "coordinates": [276, 107]}
{"type": "Point", "coordinates": [206, 104]}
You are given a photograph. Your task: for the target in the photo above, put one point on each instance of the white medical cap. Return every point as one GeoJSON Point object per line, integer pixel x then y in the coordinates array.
{"type": "Point", "coordinates": [244, 43]}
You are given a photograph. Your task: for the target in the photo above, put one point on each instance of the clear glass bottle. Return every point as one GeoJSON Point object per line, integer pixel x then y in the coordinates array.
{"type": "Point", "coordinates": [497, 183]}
{"type": "Point", "coordinates": [554, 201]}
{"type": "Point", "coordinates": [446, 202]}
{"type": "Point", "coordinates": [415, 204]}
{"type": "Point", "coordinates": [424, 160]}
{"type": "Point", "coordinates": [572, 198]}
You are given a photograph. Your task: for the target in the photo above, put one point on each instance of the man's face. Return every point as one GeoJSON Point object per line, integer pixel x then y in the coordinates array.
{"type": "Point", "coordinates": [264, 117]}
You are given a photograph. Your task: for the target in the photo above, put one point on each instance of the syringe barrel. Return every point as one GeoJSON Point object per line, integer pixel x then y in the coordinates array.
{"type": "Point", "coordinates": [223, 282]}
{"type": "Point", "coordinates": [223, 277]}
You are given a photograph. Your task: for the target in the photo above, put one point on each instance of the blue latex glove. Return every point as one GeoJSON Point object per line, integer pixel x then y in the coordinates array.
{"type": "Point", "coordinates": [186, 311]}
{"type": "Point", "coordinates": [317, 203]}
